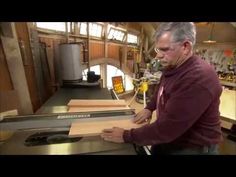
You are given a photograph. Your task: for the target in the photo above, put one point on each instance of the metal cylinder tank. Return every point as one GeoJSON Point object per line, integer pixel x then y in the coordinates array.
{"type": "Point", "coordinates": [71, 62]}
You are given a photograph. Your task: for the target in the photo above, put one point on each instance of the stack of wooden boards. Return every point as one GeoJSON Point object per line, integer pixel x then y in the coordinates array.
{"type": "Point", "coordinates": [95, 127]}
{"type": "Point", "coordinates": [79, 105]}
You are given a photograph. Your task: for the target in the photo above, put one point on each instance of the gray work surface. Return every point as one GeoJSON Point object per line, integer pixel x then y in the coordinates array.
{"type": "Point", "coordinates": [87, 145]}
{"type": "Point", "coordinates": [57, 103]}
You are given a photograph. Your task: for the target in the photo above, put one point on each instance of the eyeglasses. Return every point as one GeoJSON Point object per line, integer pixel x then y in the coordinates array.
{"type": "Point", "coordinates": [162, 51]}
{"type": "Point", "coordinates": [165, 50]}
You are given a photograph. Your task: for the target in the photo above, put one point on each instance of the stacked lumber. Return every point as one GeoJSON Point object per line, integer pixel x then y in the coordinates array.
{"type": "Point", "coordinates": [95, 127]}
{"type": "Point", "coordinates": [79, 105]}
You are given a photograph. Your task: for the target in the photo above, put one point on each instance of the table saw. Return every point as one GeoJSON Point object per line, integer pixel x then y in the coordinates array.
{"type": "Point", "coordinates": [46, 132]}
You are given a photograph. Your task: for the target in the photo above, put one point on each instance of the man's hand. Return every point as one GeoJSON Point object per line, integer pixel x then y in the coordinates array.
{"type": "Point", "coordinates": [143, 116]}
{"type": "Point", "coordinates": [114, 135]}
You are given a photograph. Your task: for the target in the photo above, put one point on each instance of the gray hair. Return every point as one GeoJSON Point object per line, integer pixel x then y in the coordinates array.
{"type": "Point", "coordinates": [180, 31]}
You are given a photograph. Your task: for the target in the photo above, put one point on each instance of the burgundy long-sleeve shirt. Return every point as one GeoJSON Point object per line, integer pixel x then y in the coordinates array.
{"type": "Point", "coordinates": [187, 108]}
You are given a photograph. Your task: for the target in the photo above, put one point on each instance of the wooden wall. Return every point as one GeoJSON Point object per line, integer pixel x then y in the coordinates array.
{"type": "Point", "coordinates": [97, 50]}
{"type": "Point", "coordinates": [114, 51]}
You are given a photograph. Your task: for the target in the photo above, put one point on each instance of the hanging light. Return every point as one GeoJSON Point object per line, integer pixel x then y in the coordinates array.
{"type": "Point", "coordinates": [210, 39]}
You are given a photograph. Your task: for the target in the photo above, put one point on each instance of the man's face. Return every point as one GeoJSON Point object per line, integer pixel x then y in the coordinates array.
{"type": "Point", "coordinates": [169, 53]}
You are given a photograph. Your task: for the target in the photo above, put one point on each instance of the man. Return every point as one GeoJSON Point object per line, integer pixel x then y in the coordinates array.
{"type": "Point", "coordinates": [187, 100]}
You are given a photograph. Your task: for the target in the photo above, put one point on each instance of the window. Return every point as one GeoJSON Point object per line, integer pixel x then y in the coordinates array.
{"type": "Point", "coordinates": [111, 72]}
{"type": "Point", "coordinates": [95, 68]}
{"type": "Point", "coordinates": [132, 39]}
{"type": "Point", "coordinates": [57, 26]}
{"type": "Point", "coordinates": [94, 29]}
{"type": "Point", "coordinates": [114, 71]}
{"type": "Point", "coordinates": [116, 34]}
{"type": "Point", "coordinates": [83, 28]}
{"type": "Point", "coordinates": [128, 83]}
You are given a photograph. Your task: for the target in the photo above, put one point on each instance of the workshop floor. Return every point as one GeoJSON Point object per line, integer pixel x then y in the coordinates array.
{"type": "Point", "coordinates": [227, 147]}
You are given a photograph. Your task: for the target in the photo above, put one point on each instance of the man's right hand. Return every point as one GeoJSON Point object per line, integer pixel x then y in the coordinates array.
{"type": "Point", "coordinates": [143, 116]}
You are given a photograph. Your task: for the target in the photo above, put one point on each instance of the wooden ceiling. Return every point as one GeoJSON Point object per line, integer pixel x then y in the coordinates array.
{"type": "Point", "coordinates": [223, 32]}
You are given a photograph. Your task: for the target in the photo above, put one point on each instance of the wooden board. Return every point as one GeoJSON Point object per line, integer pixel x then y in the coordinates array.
{"type": "Point", "coordinates": [8, 113]}
{"type": "Point", "coordinates": [96, 103]}
{"type": "Point", "coordinates": [4, 135]}
{"type": "Point", "coordinates": [228, 104]}
{"type": "Point", "coordinates": [17, 72]}
{"type": "Point", "coordinates": [94, 128]}
{"type": "Point", "coordinates": [87, 109]}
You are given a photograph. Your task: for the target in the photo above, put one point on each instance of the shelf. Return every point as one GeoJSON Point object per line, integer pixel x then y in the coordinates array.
{"type": "Point", "coordinates": [227, 83]}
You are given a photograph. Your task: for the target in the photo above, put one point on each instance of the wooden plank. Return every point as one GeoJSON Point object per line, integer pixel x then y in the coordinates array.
{"type": "Point", "coordinates": [105, 41]}
{"type": "Point", "coordinates": [34, 42]}
{"type": "Point", "coordinates": [87, 109]}
{"type": "Point", "coordinates": [4, 135]}
{"type": "Point", "coordinates": [26, 53]}
{"type": "Point", "coordinates": [6, 29]}
{"type": "Point", "coordinates": [45, 71]}
{"type": "Point", "coordinates": [96, 103]}
{"type": "Point", "coordinates": [50, 58]}
{"type": "Point", "coordinates": [8, 113]}
{"type": "Point", "coordinates": [94, 128]}
{"type": "Point", "coordinates": [16, 69]}
{"type": "Point", "coordinates": [57, 61]}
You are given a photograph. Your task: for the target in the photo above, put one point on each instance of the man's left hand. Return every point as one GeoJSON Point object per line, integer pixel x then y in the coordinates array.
{"type": "Point", "coordinates": [113, 135]}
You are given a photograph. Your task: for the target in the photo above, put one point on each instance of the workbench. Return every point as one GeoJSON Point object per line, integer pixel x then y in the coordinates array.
{"type": "Point", "coordinates": [228, 105]}
{"type": "Point", "coordinates": [18, 144]}
{"type": "Point", "coordinates": [228, 112]}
